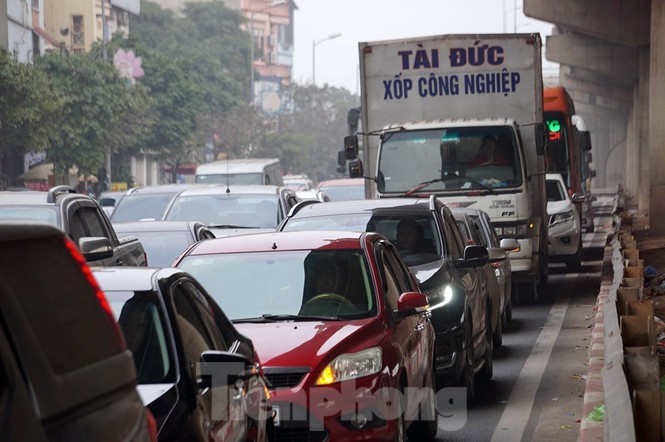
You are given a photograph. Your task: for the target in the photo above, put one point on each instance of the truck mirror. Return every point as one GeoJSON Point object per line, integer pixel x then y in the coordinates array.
{"type": "Point", "coordinates": [541, 139]}
{"type": "Point", "coordinates": [356, 169]}
{"type": "Point", "coordinates": [586, 140]}
{"type": "Point", "coordinates": [341, 158]}
{"type": "Point", "coordinates": [351, 147]}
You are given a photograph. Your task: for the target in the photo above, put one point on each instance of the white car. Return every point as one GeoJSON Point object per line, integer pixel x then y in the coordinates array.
{"type": "Point", "coordinates": [565, 234]}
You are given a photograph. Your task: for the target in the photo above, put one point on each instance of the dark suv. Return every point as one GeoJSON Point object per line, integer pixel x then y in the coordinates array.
{"type": "Point", "coordinates": [65, 370]}
{"type": "Point", "coordinates": [81, 217]}
{"type": "Point", "coordinates": [441, 262]}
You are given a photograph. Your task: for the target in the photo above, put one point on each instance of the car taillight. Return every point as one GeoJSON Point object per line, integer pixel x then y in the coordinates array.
{"type": "Point", "coordinates": [152, 425]}
{"type": "Point", "coordinates": [76, 254]}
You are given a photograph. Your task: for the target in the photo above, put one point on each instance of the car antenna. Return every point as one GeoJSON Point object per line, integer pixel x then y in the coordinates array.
{"type": "Point", "coordinates": [228, 190]}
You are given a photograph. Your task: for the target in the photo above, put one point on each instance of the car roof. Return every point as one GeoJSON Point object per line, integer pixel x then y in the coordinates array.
{"type": "Point", "coordinates": [130, 278]}
{"type": "Point", "coordinates": [282, 241]}
{"type": "Point", "coordinates": [343, 182]}
{"type": "Point", "coordinates": [162, 189]}
{"type": "Point", "coordinates": [155, 226]}
{"type": "Point", "coordinates": [468, 211]}
{"type": "Point", "coordinates": [257, 189]}
{"type": "Point", "coordinates": [331, 208]}
{"type": "Point", "coordinates": [53, 197]}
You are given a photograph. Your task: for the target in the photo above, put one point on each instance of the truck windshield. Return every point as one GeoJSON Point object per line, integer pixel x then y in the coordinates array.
{"type": "Point", "coordinates": [467, 158]}
{"type": "Point", "coordinates": [231, 178]}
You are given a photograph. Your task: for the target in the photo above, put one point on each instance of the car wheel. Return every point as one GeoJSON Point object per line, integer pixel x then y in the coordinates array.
{"type": "Point", "coordinates": [400, 427]}
{"type": "Point", "coordinates": [527, 292]}
{"type": "Point", "coordinates": [497, 337]}
{"type": "Point", "coordinates": [468, 380]}
{"type": "Point", "coordinates": [487, 371]}
{"type": "Point", "coordinates": [574, 263]}
{"type": "Point", "coordinates": [426, 426]}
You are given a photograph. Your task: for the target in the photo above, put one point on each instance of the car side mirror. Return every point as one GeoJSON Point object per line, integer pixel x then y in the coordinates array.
{"type": "Point", "coordinates": [474, 256]}
{"type": "Point", "coordinates": [94, 248]}
{"type": "Point", "coordinates": [218, 368]}
{"type": "Point", "coordinates": [411, 303]}
{"type": "Point", "coordinates": [510, 245]}
{"type": "Point", "coordinates": [578, 198]}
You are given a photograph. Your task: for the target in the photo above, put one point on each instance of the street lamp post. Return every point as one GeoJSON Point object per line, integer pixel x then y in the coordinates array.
{"type": "Point", "coordinates": [315, 43]}
{"type": "Point", "coordinates": [251, 51]}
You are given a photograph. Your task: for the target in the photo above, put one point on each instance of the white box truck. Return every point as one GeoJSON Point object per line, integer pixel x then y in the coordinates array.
{"type": "Point", "coordinates": [431, 110]}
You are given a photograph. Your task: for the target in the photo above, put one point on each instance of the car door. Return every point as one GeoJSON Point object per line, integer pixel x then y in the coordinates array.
{"type": "Point", "coordinates": [219, 410]}
{"type": "Point", "coordinates": [408, 331]}
{"type": "Point", "coordinates": [468, 278]}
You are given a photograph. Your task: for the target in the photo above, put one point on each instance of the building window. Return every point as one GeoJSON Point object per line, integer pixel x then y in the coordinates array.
{"type": "Point", "coordinates": [259, 38]}
{"type": "Point", "coordinates": [78, 34]}
{"type": "Point", "coordinates": [35, 46]}
{"type": "Point", "coordinates": [35, 5]}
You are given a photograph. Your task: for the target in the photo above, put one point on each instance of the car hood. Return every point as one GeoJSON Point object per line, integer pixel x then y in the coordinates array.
{"type": "Point", "coordinates": [425, 271]}
{"type": "Point", "coordinates": [555, 207]}
{"type": "Point", "coordinates": [307, 344]}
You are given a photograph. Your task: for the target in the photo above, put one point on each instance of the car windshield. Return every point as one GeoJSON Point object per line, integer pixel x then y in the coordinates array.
{"type": "Point", "coordinates": [453, 159]}
{"type": "Point", "coordinates": [141, 207]}
{"type": "Point", "coordinates": [554, 191]}
{"type": "Point", "coordinates": [244, 210]}
{"type": "Point", "coordinates": [162, 248]}
{"type": "Point", "coordinates": [143, 322]}
{"type": "Point", "coordinates": [427, 246]}
{"type": "Point", "coordinates": [47, 214]}
{"type": "Point", "coordinates": [344, 193]}
{"type": "Point", "coordinates": [326, 284]}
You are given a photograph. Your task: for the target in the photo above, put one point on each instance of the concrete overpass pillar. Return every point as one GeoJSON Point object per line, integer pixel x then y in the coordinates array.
{"type": "Point", "coordinates": [639, 150]}
{"type": "Point", "coordinates": [657, 118]}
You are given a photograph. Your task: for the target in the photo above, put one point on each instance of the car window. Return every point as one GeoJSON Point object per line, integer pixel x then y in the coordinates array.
{"type": "Point", "coordinates": [221, 209]}
{"type": "Point", "coordinates": [46, 214]}
{"type": "Point", "coordinates": [93, 222]}
{"type": "Point", "coordinates": [390, 280]}
{"type": "Point", "coordinates": [194, 335]}
{"type": "Point", "coordinates": [456, 243]}
{"type": "Point", "coordinates": [77, 226]}
{"type": "Point", "coordinates": [143, 322]}
{"type": "Point", "coordinates": [138, 207]}
{"type": "Point", "coordinates": [554, 191]}
{"type": "Point", "coordinates": [162, 248]}
{"type": "Point", "coordinates": [207, 315]}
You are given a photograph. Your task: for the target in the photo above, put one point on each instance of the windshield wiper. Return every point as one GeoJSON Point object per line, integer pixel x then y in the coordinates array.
{"type": "Point", "coordinates": [231, 226]}
{"type": "Point", "coordinates": [424, 184]}
{"type": "Point", "coordinates": [274, 318]}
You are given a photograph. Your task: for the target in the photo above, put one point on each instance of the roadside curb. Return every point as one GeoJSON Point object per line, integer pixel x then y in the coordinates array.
{"type": "Point", "coordinates": [594, 394]}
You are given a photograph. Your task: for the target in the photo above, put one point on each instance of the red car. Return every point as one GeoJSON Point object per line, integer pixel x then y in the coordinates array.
{"type": "Point", "coordinates": [341, 326]}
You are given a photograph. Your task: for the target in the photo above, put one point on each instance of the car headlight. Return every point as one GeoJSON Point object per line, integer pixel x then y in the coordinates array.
{"type": "Point", "coordinates": [352, 366]}
{"type": "Point", "coordinates": [564, 217]}
{"type": "Point", "coordinates": [439, 297]}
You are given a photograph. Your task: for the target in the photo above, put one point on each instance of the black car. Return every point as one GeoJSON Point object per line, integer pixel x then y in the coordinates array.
{"type": "Point", "coordinates": [164, 241]}
{"type": "Point", "coordinates": [200, 378]}
{"type": "Point", "coordinates": [441, 262]}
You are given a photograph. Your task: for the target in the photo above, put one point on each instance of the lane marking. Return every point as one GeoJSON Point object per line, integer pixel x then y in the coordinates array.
{"type": "Point", "coordinates": [516, 415]}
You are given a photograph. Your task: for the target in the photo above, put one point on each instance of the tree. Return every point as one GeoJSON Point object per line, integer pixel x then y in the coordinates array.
{"type": "Point", "coordinates": [95, 101]}
{"type": "Point", "coordinates": [28, 107]}
{"type": "Point", "coordinates": [319, 117]}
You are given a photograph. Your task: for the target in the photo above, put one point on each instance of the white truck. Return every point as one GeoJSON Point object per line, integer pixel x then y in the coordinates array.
{"type": "Point", "coordinates": [429, 107]}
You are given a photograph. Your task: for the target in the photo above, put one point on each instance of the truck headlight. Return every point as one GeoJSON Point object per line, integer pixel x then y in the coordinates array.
{"type": "Point", "coordinates": [352, 366]}
{"type": "Point", "coordinates": [564, 217]}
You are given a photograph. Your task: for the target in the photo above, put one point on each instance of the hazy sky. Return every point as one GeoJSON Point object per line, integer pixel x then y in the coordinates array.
{"type": "Point", "coordinates": [369, 20]}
